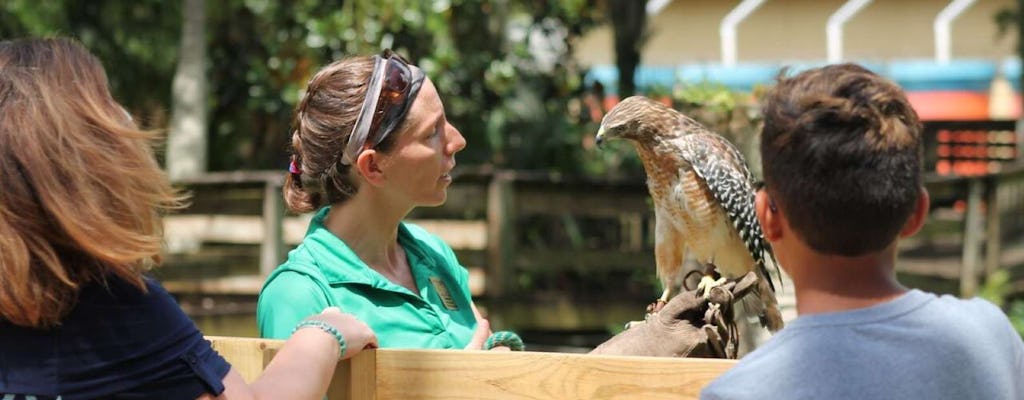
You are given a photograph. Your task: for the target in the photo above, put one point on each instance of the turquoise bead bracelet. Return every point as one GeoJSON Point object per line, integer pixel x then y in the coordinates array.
{"type": "Point", "coordinates": [326, 328]}
{"type": "Point", "coordinates": [504, 338]}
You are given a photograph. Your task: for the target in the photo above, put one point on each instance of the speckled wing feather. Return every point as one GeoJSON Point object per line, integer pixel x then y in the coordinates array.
{"type": "Point", "coordinates": [725, 172]}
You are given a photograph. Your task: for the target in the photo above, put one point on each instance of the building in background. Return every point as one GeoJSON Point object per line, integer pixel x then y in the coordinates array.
{"type": "Point", "coordinates": [977, 79]}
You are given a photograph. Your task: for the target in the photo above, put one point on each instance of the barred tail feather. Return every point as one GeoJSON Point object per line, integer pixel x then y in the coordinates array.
{"type": "Point", "coordinates": [770, 316]}
{"type": "Point", "coordinates": [762, 303]}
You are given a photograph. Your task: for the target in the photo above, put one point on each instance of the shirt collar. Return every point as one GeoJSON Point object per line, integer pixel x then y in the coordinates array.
{"type": "Point", "coordinates": [341, 265]}
{"type": "Point", "coordinates": [909, 301]}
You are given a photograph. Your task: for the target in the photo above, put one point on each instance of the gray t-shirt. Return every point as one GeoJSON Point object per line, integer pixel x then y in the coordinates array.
{"type": "Point", "coordinates": [918, 346]}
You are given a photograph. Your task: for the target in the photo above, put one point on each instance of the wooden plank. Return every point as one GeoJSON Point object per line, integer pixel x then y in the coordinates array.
{"type": "Point", "coordinates": [248, 356]}
{"type": "Point", "coordinates": [564, 313]}
{"type": "Point", "coordinates": [232, 177]}
{"type": "Point", "coordinates": [272, 247]}
{"type": "Point", "coordinates": [364, 379]}
{"type": "Point", "coordinates": [228, 285]}
{"type": "Point", "coordinates": [595, 202]}
{"type": "Point", "coordinates": [500, 234]}
{"type": "Point", "coordinates": [582, 259]}
{"type": "Point", "coordinates": [449, 374]}
{"type": "Point", "coordinates": [437, 374]}
{"type": "Point", "coordinates": [458, 234]}
{"type": "Point", "coordinates": [251, 284]}
{"type": "Point", "coordinates": [186, 231]}
{"type": "Point", "coordinates": [973, 232]}
{"type": "Point", "coordinates": [993, 236]}
{"type": "Point", "coordinates": [466, 200]}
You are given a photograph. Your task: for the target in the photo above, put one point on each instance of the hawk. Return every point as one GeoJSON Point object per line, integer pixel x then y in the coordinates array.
{"type": "Point", "coordinates": [703, 200]}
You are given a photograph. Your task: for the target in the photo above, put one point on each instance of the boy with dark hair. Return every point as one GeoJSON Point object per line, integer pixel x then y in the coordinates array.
{"type": "Point", "coordinates": [841, 151]}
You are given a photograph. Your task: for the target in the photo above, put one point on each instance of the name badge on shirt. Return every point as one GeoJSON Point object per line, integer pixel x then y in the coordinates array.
{"type": "Point", "coordinates": [444, 294]}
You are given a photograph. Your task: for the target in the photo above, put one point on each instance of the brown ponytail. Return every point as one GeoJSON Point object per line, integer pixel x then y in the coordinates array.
{"type": "Point", "coordinates": [321, 125]}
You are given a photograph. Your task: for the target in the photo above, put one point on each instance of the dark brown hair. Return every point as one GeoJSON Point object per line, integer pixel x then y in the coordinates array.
{"type": "Point", "coordinates": [321, 127]}
{"type": "Point", "coordinates": [841, 149]}
{"type": "Point", "coordinates": [81, 190]}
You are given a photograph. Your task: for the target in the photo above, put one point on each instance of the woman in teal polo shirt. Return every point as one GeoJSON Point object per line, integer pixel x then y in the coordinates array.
{"type": "Point", "coordinates": [370, 142]}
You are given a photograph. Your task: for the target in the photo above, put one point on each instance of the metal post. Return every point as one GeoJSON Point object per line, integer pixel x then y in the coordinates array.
{"type": "Point", "coordinates": [727, 29]}
{"type": "Point", "coordinates": [834, 27]}
{"type": "Point", "coordinates": [943, 40]}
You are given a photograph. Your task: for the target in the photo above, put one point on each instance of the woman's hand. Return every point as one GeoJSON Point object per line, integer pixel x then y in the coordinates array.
{"type": "Point", "coordinates": [357, 334]}
{"type": "Point", "coordinates": [483, 331]}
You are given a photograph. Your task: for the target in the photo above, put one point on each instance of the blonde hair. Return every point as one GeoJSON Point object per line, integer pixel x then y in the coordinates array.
{"type": "Point", "coordinates": [82, 192]}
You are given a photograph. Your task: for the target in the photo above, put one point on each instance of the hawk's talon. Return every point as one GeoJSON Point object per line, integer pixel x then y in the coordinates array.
{"type": "Point", "coordinates": [656, 306]}
{"type": "Point", "coordinates": [629, 325]}
{"type": "Point", "coordinates": [707, 283]}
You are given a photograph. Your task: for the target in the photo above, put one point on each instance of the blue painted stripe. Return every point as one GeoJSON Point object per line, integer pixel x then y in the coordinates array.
{"type": "Point", "coordinates": [912, 75]}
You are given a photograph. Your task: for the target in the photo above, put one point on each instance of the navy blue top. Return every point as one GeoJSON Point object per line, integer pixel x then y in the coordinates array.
{"type": "Point", "coordinates": [117, 343]}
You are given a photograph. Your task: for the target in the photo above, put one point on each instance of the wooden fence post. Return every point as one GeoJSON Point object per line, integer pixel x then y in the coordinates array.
{"type": "Point", "coordinates": [273, 237]}
{"type": "Point", "coordinates": [500, 233]}
{"type": "Point", "coordinates": [993, 234]}
{"type": "Point", "coordinates": [973, 231]}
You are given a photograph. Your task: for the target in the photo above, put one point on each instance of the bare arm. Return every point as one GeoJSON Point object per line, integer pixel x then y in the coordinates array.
{"type": "Point", "coordinates": [303, 368]}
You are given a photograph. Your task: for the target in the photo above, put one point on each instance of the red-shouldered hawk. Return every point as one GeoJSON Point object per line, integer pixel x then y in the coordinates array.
{"type": "Point", "coordinates": [703, 199]}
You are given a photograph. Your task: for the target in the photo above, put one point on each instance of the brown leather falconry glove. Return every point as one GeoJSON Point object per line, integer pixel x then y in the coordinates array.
{"type": "Point", "coordinates": [688, 326]}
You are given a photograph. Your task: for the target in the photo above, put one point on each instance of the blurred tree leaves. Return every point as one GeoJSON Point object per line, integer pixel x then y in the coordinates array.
{"type": "Point", "coordinates": [735, 115]}
{"type": "Point", "coordinates": [137, 42]}
{"type": "Point", "coordinates": [502, 66]}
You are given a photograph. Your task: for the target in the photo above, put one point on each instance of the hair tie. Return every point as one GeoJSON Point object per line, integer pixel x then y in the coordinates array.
{"type": "Point", "coordinates": [294, 169]}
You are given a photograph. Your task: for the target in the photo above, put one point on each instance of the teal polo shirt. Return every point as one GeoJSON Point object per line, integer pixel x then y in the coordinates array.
{"type": "Point", "coordinates": [322, 272]}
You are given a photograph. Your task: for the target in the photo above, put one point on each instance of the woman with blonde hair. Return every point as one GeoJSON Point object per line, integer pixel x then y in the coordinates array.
{"type": "Point", "coordinates": [80, 223]}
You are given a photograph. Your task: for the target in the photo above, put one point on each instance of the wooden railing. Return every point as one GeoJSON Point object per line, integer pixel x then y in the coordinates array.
{"type": "Point", "coordinates": [486, 212]}
{"type": "Point", "coordinates": [271, 213]}
{"type": "Point", "coordinates": [486, 241]}
{"type": "Point", "coordinates": [994, 213]}
{"type": "Point", "coordinates": [455, 374]}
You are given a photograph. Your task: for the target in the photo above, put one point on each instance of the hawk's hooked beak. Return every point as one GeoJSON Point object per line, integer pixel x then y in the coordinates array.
{"type": "Point", "coordinates": [600, 137]}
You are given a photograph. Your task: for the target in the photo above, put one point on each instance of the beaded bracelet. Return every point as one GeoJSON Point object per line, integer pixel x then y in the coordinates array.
{"type": "Point", "coordinates": [504, 338]}
{"type": "Point", "coordinates": [326, 328]}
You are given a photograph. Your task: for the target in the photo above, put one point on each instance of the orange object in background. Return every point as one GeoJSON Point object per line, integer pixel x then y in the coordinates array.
{"type": "Point", "coordinates": [950, 105]}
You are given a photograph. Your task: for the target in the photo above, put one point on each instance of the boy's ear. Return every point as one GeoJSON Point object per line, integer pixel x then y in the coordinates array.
{"type": "Point", "coordinates": [918, 217]}
{"type": "Point", "coordinates": [768, 215]}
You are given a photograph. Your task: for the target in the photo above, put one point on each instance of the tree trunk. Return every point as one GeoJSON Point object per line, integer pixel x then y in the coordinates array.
{"type": "Point", "coordinates": [629, 21]}
{"type": "Point", "coordinates": [187, 141]}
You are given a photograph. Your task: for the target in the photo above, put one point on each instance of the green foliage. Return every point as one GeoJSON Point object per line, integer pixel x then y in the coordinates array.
{"type": "Point", "coordinates": [137, 41]}
{"type": "Point", "coordinates": [1010, 18]}
{"type": "Point", "coordinates": [735, 115]}
{"type": "Point", "coordinates": [482, 55]}
{"type": "Point", "coordinates": [1016, 315]}
{"type": "Point", "coordinates": [996, 290]}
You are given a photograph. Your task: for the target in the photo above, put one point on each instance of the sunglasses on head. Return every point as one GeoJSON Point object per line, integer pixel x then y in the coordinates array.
{"type": "Point", "coordinates": [392, 88]}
